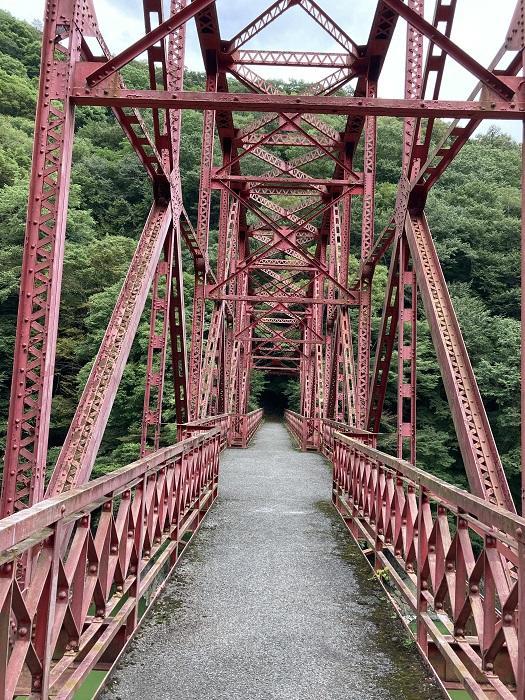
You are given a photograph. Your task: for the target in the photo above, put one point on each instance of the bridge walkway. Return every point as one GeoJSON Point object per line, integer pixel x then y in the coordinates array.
{"type": "Point", "coordinates": [272, 601]}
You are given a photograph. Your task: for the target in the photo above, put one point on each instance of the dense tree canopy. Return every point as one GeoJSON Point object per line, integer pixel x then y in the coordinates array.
{"type": "Point", "coordinates": [474, 214]}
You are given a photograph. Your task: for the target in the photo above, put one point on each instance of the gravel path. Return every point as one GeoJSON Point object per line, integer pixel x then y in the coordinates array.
{"type": "Point", "coordinates": [272, 601]}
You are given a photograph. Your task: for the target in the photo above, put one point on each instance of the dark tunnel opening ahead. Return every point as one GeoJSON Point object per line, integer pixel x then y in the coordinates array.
{"type": "Point", "coordinates": [273, 401]}
{"type": "Point", "coordinates": [279, 393]}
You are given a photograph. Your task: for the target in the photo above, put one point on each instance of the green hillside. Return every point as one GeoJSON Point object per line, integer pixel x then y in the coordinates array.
{"type": "Point", "coordinates": [474, 214]}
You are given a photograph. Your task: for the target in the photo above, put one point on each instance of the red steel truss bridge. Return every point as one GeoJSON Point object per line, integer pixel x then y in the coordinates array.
{"type": "Point", "coordinates": [82, 560]}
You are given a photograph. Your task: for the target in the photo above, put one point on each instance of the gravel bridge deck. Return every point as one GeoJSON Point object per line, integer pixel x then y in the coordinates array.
{"type": "Point", "coordinates": [272, 600]}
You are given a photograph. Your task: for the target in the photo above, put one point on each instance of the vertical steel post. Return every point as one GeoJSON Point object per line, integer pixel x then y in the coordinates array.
{"type": "Point", "coordinates": [523, 324]}
{"type": "Point", "coordinates": [244, 369]}
{"type": "Point", "coordinates": [37, 324]}
{"type": "Point", "coordinates": [177, 322]}
{"type": "Point", "coordinates": [367, 242]}
{"type": "Point", "coordinates": [407, 293]}
{"type": "Point", "coordinates": [211, 363]}
{"type": "Point", "coordinates": [156, 358]}
{"type": "Point", "coordinates": [413, 82]}
{"type": "Point", "coordinates": [406, 358]}
{"type": "Point", "coordinates": [345, 226]}
{"type": "Point", "coordinates": [203, 223]}
{"type": "Point", "coordinates": [167, 309]}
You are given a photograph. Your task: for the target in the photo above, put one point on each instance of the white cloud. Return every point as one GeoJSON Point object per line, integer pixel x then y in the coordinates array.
{"type": "Point", "coordinates": [479, 28]}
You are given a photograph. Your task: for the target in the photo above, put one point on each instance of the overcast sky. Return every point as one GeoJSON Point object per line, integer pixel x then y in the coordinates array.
{"type": "Point", "coordinates": [478, 29]}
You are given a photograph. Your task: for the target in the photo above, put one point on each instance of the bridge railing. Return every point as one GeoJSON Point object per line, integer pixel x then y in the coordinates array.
{"type": "Point", "coordinates": [330, 428]}
{"type": "Point", "coordinates": [303, 429]}
{"type": "Point", "coordinates": [222, 421]}
{"type": "Point", "coordinates": [236, 429]}
{"type": "Point", "coordinates": [453, 564]}
{"type": "Point", "coordinates": [318, 434]}
{"type": "Point", "coordinates": [243, 427]}
{"type": "Point", "coordinates": [101, 555]}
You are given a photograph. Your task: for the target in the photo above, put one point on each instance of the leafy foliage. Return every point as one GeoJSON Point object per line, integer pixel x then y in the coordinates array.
{"type": "Point", "coordinates": [474, 214]}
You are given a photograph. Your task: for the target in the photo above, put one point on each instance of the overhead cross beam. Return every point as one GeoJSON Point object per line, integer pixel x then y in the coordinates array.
{"type": "Point", "coordinates": [311, 59]}
{"type": "Point", "coordinates": [282, 297]}
{"type": "Point", "coordinates": [492, 106]}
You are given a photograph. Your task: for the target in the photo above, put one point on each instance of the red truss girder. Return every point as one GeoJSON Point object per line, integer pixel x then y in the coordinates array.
{"type": "Point", "coordinates": [85, 434]}
{"type": "Point", "coordinates": [280, 299]}
{"type": "Point", "coordinates": [35, 343]}
{"type": "Point", "coordinates": [92, 81]}
{"type": "Point", "coordinates": [492, 106]}
{"type": "Point", "coordinates": [418, 22]}
{"type": "Point", "coordinates": [476, 442]}
{"type": "Point", "coordinates": [291, 58]}
{"type": "Point", "coordinates": [167, 314]}
{"type": "Point", "coordinates": [258, 24]}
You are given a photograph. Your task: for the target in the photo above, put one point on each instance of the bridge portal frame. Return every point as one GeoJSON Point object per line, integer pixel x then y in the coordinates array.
{"type": "Point", "coordinates": [280, 292]}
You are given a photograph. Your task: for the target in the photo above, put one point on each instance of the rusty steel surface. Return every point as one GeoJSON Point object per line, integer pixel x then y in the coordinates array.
{"type": "Point", "coordinates": [231, 627]}
{"type": "Point", "coordinates": [281, 299]}
{"type": "Point", "coordinates": [492, 107]}
{"type": "Point", "coordinates": [443, 555]}
{"type": "Point", "coordinates": [102, 554]}
{"type": "Point", "coordinates": [426, 534]}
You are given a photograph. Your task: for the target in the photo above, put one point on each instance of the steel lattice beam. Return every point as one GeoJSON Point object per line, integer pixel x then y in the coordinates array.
{"type": "Point", "coordinates": [492, 106]}
{"type": "Point", "coordinates": [80, 448]}
{"type": "Point", "coordinates": [37, 324]}
{"type": "Point", "coordinates": [152, 37]}
{"type": "Point", "coordinates": [310, 59]}
{"type": "Point", "coordinates": [278, 301]}
{"type": "Point", "coordinates": [480, 454]}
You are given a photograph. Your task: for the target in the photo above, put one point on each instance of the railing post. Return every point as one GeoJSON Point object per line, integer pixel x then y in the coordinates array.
{"type": "Point", "coordinates": [371, 467]}
{"type": "Point", "coordinates": [244, 423]}
{"type": "Point", "coordinates": [422, 584]}
{"type": "Point", "coordinates": [520, 681]}
{"type": "Point", "coordinates": [7, 572]}
{"type": "Point", "coordinates": [350, 467]}
{"type": "Point", "coordinates": [54, 543]}
{"type": "Point", "coordinates": [335, 456]}
{"type": "Point", "coordinates": [134, 591]}
{"type": "Point", "coordinates": [215, 467]}
{"type": "Point", "coordinates": [177, 509]}
{"type": "Point", "coordinates": [490, 618]}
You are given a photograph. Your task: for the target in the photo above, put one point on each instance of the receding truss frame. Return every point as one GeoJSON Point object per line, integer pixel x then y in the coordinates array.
{"type": "Point", "coordinates": [280, 292]}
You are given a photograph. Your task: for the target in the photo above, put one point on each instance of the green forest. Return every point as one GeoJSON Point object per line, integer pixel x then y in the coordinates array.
{"type": "Point", "coordinates": [474, 213]}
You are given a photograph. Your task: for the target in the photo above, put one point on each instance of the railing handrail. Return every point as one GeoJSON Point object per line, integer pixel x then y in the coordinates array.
{"type": "Point", "coordinates": [506, 521]}
{"type": "Point", "coordinates": [220, 416]}
{"type": "Point", "coordinates": [250, 413]}
{"type": "Point", "coordinates": [19, 526]}
{"type": "Point", "coordinates": [330, 422]}
{"type": "Point", "coordinates": [345, 426]}
{"type": "Point", "coordinates": [236, 428]}
{"type": "Point", "coordinates": [203, 421]}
